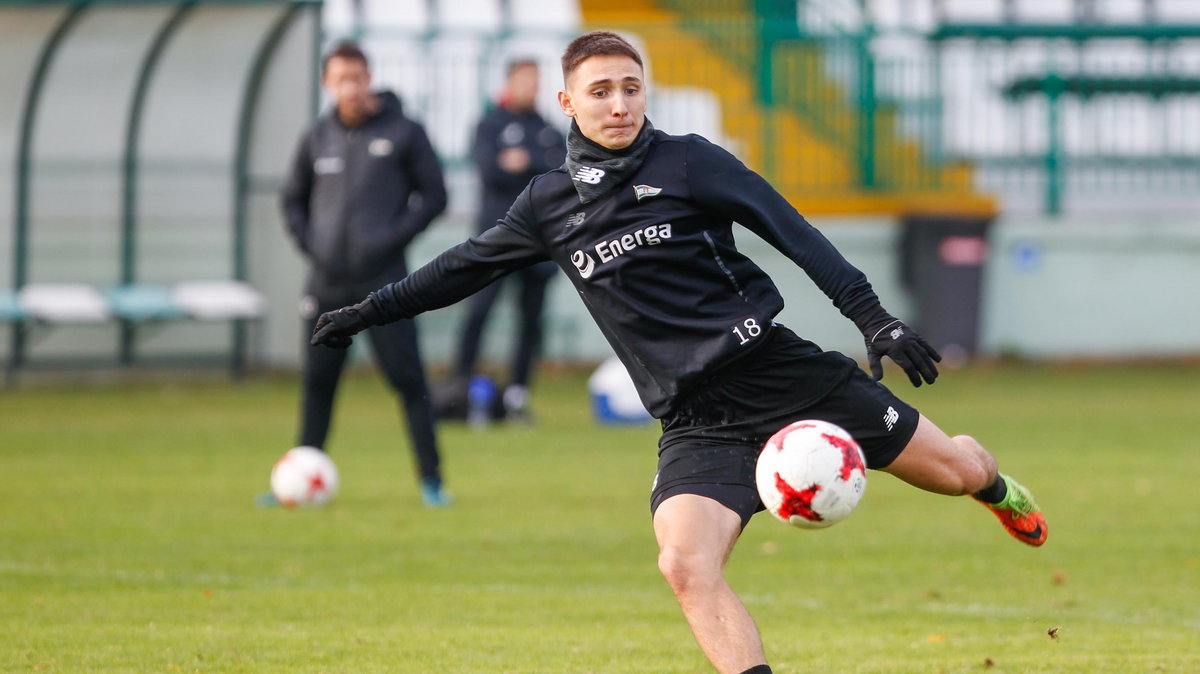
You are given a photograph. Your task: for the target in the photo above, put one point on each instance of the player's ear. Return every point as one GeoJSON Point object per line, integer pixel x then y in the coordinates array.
{"type": "Point", "coordinates": [564, 103]}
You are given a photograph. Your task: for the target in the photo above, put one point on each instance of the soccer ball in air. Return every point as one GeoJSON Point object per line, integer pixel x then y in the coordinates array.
{"type": "Point", "coordinates": [811, 474]}
{"type": "Point", "coordinates": [305, 476]}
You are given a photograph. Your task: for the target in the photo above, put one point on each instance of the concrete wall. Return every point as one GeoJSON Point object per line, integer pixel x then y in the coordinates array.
{"type": "Point", "coordinates": [1123, 286]}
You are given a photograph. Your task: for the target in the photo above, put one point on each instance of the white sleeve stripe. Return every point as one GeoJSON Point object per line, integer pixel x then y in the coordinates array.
{"type": "Point", "coordinates": [882, 329]}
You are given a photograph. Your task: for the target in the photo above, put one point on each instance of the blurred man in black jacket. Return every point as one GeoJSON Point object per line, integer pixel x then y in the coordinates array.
{"type": "Point", "coordinates": [365, 181]}
{"type": "Point", "coordinates": [513, 144]}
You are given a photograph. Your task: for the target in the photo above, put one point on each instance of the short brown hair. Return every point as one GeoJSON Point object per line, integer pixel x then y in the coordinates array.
{"type": "Point", "coordinates": [596, 43]}
{"type": "Point", "coordinates": [344, 50]}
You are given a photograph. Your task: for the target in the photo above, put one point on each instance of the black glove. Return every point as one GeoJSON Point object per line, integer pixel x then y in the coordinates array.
{"type": "Point", "coordinates": [335, 329]}
{"type": "Point", "coordinates": [889, 336]}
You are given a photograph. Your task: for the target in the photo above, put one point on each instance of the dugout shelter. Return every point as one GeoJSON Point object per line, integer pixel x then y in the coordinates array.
{"type": "Point", "coordinates": [147, 141]}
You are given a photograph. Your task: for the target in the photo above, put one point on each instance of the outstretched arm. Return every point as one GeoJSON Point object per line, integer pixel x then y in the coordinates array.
{"type": "Point", "coordinates": [728, 187]}
{"type": "Point", "coordinates": [454, 275]}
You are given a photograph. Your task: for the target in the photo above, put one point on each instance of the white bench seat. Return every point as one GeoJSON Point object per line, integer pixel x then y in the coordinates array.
{"type": "Point", "coordinates": [64, 303]}
{"type": "Point", "coordinates": [218, 300]}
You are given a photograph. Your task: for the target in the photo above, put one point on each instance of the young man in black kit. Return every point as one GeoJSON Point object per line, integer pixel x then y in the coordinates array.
{"type": "Point", "coordinates": [640, 221]}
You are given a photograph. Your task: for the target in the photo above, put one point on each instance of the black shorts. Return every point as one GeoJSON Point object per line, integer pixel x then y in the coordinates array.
{"type": "Point", "coordinates": [712, 437]}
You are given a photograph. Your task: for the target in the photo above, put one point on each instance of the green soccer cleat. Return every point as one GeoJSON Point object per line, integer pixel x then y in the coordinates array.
{"type": "Point", "coordinates": [1019, 513]}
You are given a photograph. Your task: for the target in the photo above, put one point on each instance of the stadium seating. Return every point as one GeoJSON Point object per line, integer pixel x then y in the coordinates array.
{"type": "Point", "coordinates": [544, 14]}
{"type": "Point", "coordinates": [10, 307]}
{"type": "Point", "coordinates": [44, 306]}
{"type": "Point", "coordinates": [64, 303]}
{"type": "Point", "coordinates": [142, 302]}
{"type": "Point", "coordinates": [123, 215]}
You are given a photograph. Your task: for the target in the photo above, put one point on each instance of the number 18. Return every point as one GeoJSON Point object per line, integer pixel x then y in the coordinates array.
{"type": "Point", "coordinates": [753, 329]}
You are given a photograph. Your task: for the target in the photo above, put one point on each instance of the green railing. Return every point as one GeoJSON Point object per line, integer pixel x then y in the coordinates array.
{"type": "Point", "coordinates": [970, 95]}
{"type": "Point", "coordinates": [804, 63]}
{"type": "Point", "coordinates": [1105, 123]}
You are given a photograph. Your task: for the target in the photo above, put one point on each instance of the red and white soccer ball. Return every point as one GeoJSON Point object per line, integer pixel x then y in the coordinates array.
{"type": "Point", "coordinates": [811, 474]}
{"type": "Point", "coordinates": [305, 476]}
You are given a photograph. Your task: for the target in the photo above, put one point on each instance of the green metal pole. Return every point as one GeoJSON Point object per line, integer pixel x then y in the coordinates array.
{"type": "Point", "coordinates": [314, 91]}
{"type": "Point", "coordinates": [25, 139]}
{"type": "Point", "coordinates": [766, 91]}
{"type": "Point", "coordinates": [1053, 202]}
{"type": "Point", "coordinates": [937, 119]}
{"type": "Point", "coordinates": [241, 178]}
{"type": "Point", "coordinates": [25, 168]}
{"type": "Point", "coordinates": [866, 110]}
{"type": "Point", "coordinates": [129, 175]}
{"type": "Point", "coordinates": [359, 29]}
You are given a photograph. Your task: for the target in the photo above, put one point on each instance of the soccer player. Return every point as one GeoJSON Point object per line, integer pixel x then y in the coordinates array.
{"type": "Point", "coordinates": [640, 221]}
{"type": "Point", "coordinates": [365, 181]}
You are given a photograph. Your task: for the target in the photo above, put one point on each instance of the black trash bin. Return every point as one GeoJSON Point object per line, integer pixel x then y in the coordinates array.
{"type": "Point", "coordinates": [942, 260]}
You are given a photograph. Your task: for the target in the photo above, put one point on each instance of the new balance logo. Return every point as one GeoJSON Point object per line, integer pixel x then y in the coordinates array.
{"type": "Point", "coordinates": [576, 219]}
{"type": "Point", "coordinates": [588, 174]}
{"type": "Point", "coordinates": [890, 417]}
{"type": "Point", "coordinates": [645, 191]}
{"type": "Point", "coordinates": [896, 333]}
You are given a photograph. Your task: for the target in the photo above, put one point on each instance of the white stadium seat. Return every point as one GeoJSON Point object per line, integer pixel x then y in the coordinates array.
{"type": "Point", "coordinates": [477, 15]}
{"type": "Point", "coordinates": [412, 15]}
{"type": "Point", "coordinates": [64, 303]}
{"type": "Point", "coordinates": [553, 14]}
{"type": "Point", "coordinates": [218, 300]}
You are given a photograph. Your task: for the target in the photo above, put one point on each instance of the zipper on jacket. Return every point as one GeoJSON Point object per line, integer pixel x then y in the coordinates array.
{"type": "Point", "coordinates": [721, 263]}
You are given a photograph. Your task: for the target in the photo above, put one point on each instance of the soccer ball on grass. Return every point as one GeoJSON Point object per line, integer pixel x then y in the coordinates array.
{"type": "Point", "coordinates": [304, 476]}
{"type": "Point", "coordinates": [811, 474]}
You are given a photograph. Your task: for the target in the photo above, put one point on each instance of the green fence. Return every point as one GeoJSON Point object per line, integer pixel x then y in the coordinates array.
{"type": "Point", "coordinates": [1046, 116]}
{"type": "Point", "coordinates": [1085, 110]}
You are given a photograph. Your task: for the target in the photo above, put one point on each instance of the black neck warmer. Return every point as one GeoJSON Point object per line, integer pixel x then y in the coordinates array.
{"type": "Point", "coordinates": [597, 170]}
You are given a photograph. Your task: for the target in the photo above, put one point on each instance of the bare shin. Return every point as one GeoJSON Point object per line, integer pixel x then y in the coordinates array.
{"type": "Point", "coordinates": [695, 536]}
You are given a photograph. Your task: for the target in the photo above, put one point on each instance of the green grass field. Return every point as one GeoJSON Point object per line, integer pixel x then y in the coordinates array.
{"type": "Point", "coordinates": [129, 541]}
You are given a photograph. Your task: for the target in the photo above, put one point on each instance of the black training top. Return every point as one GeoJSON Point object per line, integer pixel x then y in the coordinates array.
{"type": "Point", "coordinates": [654, 260]}
{"type": "Point", "coordinates": [502, 129]}
{"type": "Point", "coordinates": [349, 199]}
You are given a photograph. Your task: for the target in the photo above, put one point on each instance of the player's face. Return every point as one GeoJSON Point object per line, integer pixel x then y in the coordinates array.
{"type": "Point", "coordinates": [607, 98]}
{"type": "Point", "coordinates": [348, 83]}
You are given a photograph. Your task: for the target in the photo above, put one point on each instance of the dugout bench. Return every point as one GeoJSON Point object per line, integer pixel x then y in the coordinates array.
{"type": "Point", "coordinates": [40, 307]}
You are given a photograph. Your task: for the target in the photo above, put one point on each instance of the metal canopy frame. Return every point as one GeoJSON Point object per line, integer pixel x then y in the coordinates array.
{"type": "Point", "coordinates": [73, 12]}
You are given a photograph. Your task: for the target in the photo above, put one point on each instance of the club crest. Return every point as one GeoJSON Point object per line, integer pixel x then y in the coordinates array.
{"type": "Point", "coordinates": [645, 191]}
